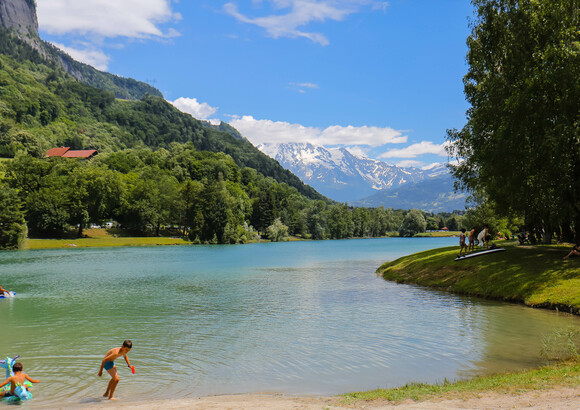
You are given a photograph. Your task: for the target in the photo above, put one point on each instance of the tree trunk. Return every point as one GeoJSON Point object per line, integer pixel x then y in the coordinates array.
{"type": "Point", "coordinates": [567, 233]}
{"type": "Point", "coordinates": [577, 229]}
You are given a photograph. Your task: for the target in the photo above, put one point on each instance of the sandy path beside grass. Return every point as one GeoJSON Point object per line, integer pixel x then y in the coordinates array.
{"type": "Point", "coordinates": [555, 398]}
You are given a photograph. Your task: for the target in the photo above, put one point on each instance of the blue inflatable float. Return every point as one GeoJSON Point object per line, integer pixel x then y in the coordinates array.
{"type": "Point", "coordinates": [21, 391]}
{"type": "Point", "coordinates": [10, 295]}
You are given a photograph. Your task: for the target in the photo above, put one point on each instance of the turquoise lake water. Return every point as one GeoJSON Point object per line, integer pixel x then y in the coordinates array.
{"type": "Point", "coordinates": [308, 318]}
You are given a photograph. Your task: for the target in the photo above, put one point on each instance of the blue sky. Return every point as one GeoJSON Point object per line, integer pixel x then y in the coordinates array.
{"type": "Point", "coordinates": [382, 78]}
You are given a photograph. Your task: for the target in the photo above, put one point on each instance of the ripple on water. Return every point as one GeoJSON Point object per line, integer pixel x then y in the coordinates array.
{"type": "Point", "coordinates": [304, 318]}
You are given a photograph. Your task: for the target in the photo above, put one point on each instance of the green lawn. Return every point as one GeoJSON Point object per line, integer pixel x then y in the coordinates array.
{"type": "Point", "coordinates": [563, 374]}
{"type": "Point", "coordinates": [536, 276]}
{"type": "Point", "coordinates": [102, 238]}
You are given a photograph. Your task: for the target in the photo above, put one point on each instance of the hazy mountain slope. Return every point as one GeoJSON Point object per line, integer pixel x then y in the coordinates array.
{"type": "Point", "coordinates": [434, 194]}
{"type": "Point", "coordinates": [342, 176]}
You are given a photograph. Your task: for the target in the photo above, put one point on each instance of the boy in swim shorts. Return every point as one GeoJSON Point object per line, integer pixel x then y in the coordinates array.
{"type": "Point", "coordinates": [18, 379]}
{"type": "Point", "coordinates": [108, 364]}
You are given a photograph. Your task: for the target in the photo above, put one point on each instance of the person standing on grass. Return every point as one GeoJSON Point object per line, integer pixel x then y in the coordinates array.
{"type": "Point", "coordinates": [462, 245]}
{"type": "Point", "coordinates": [108, 364]}
{"type": "Point", "coordinates": [483, 237]}
{"type": "Point", "coordinates": [471, 239]}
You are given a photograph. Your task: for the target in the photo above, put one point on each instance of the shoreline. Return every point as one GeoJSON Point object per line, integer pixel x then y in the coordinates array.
{"type": "Point", "coordinates": [535, 276]}
{"type": "Point", "coordinates": [554, 386]}
{"type": "Point", "coordinates": [555, 397]}
{"type": "Point", "coordinates": [101, 238]}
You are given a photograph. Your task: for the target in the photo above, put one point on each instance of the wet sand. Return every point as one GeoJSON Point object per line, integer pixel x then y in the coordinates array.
{"type": "Point", "coordinates": [555, 398]}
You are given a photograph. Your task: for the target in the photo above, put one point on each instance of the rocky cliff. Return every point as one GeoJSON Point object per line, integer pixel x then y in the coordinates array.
{"type": "Point", "coordinates": [18, 19]}
{"type": "Point", "coordinates": [20, 16]}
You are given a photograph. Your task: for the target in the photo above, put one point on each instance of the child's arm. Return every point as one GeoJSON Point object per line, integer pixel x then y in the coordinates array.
{"type": "Point", "coordinates": [127, 360]}
{"type": "Point", "coordinates": [8, 380]}
{"type": "Point", "coordinates": [31, 380]}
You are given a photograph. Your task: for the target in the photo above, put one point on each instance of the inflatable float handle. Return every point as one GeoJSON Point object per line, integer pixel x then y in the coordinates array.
{"type": "Point", "coordinates": [14, 358]}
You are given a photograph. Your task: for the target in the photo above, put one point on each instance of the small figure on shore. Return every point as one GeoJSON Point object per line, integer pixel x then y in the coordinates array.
{"type": "Point", "coordinates": [471, 238]}
{"type": "Point", "coordinates": [462, 245]}
{"type": "Point", "coordinates": [108, 364]}
{"type": "Point", "coordinates": [17, 382]}
{"type": "Point", "coordinates": [574, 252]}
{"type": "Point", "coordinates": [483, 237]}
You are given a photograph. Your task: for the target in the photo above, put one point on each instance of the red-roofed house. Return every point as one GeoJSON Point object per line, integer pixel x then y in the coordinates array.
{"type": "Point", "coordinates": [57, 152]}
{"type": "Point", "coordinates": [86, 154]}
{"type": "Point", "coordinates": [66, 152]}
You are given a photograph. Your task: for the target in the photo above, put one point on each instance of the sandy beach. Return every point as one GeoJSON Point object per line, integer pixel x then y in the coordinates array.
{"type": "Point", "coordinates": [556, 398]}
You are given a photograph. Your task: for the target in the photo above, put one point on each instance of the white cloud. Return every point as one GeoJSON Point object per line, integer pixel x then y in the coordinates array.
{"type": "Point", "coordinates": [107, 18]}
{"type": "Point", "coordinates": [410, 164]}
{"type": "Point", "coordinates": [95, 58]}
{"type": "Point", "coordinates": [361, 152]}
{"type": "Point", "coordinates": [303, 87]}
{"type": "Point", "coordinates": [415, 150]}
{"type": "Point", "coordinates": [267, 131]}
{"type": "Point", "coordinates": [430, 166]}
{"type": "Point", "coordinates": [300, 13]}
{"type": "Point", "coordinates": [195, 108]}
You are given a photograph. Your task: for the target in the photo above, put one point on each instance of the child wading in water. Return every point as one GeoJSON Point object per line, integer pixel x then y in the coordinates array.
{"type": "Point", "coordinates": [108, 364]}
{"type": "Point", "coordinates": [18, 379]}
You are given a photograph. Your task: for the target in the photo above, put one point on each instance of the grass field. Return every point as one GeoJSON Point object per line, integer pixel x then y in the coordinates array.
{"type": "Point", "coordinates": [102, 238]}
{"type": "Point", "coordinates": [534, 275]}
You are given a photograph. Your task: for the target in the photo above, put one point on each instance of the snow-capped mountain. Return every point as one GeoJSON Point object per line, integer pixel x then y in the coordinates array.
{"type": "Point", "coordinates": [339, 174]}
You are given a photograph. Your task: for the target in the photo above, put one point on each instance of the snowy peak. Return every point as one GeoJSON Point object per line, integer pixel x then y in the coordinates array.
{"type": "Point", "coordinates": [341, 175]}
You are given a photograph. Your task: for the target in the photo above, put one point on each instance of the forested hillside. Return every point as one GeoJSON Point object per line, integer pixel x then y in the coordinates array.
{"type": "Point", "coordinates": [36, 50]}
{"type": "Point", "coordinates": [156, 167]}
{"type": "Point", "coordinates": [43, 107]}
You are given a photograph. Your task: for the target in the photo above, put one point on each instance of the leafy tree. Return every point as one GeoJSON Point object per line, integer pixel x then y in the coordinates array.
{"type": "Point", "coordinates": [521, 144]}
{"type": "Point", "coordinates": [413, 223]}
{"type": "Point", "coordinates": [95, 194]}
{"type": "Point", "coordinates": [152, 201]}
{"type": "Point", "coordinates": [316, 219]}
{"type": "Point", "coordinates": [452, 224]}
{"type": "Point", "coordinates": [432, 223]}
{"type": "Point", "coordinates": [339, 221]}
{"type": "Point", "coordinates": [277, 232]}
{"type": "Point", "coordinates": [47, 212]}
{"type": "Point", "coordinates": [13, 228]}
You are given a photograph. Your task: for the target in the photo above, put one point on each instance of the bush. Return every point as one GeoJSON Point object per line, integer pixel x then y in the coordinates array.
{"type": "Point", "coordinates": [277, 232]}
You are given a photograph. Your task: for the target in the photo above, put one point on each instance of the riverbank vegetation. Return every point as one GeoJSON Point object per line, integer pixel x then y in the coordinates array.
{"type": "Point", "coordinates": [519, 152]}
{"type": "Point", "coordinates": [565, 374]}
{"type": "Point", "coordinates": [536, 276]}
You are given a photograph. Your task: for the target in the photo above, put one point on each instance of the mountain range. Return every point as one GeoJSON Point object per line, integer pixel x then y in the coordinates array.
{"type": "Point", "coordinates": [343, 176]}
{"type": "Point", "coordinates": [334, 172]}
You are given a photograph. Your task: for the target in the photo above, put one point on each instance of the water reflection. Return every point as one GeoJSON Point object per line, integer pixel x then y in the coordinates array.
{"type": "Point", "coordinates": [298, 318]}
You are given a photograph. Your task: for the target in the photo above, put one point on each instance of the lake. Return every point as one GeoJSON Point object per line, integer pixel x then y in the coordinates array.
{"type": "Point", "coordinates": [308, 318]}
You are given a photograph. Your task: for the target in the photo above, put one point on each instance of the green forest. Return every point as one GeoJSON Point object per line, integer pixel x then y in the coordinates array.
{"type": "Point", "coordinates": [518, 154]}
{"type": "Point", "coordinates": [157, 168]}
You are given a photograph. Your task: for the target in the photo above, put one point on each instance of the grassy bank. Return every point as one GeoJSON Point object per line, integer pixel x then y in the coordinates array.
{"type": "Point", "coordinates": [560, 375]}
{"type": "Point", "coordinates": [536, 276]}
{"type": "Point", "coordinates": [102, 238]}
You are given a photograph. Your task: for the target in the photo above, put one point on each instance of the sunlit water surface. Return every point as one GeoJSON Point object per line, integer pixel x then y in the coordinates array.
{"type": "Point", "coordinates": [295, 318]}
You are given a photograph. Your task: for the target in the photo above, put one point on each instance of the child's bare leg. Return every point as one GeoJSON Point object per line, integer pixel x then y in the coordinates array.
{"type": "Point", "coordinates": [112, 383]}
